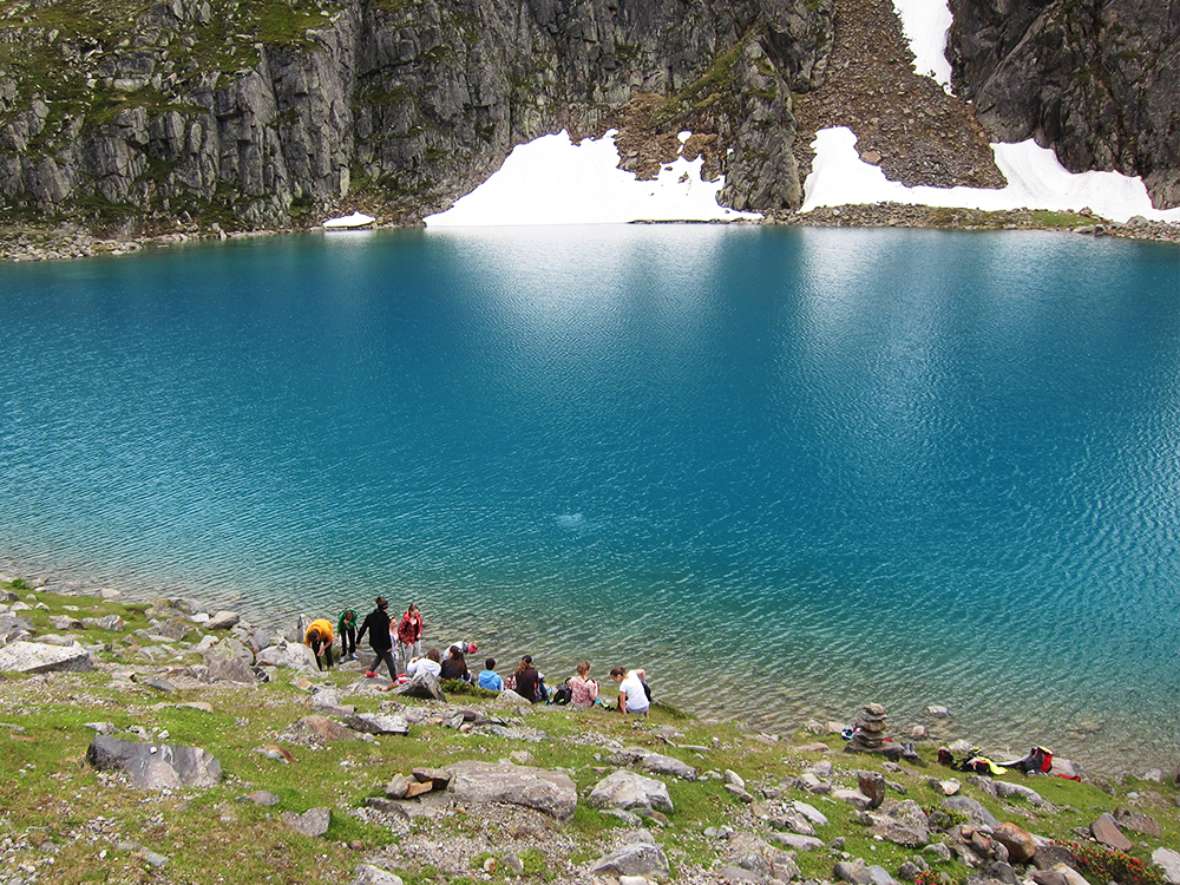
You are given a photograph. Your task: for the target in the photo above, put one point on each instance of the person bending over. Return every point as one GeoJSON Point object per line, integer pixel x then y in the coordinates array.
{"type": "Point", "coordinates": [376, 624]}
{"type": "Point", "coordinates": [429, 664]}
{"type": "Point", "coordinates": [632, 691]}
{"type": "Point", "coordinates": [488, 677]}
{"type": "Point", "coordinates": [346, 628]}
{"type": "Point", "coordinates": [319, 638]}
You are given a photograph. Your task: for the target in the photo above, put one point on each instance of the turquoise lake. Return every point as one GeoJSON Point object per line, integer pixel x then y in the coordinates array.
{"type": "Point", "coordinates": [788, 471]}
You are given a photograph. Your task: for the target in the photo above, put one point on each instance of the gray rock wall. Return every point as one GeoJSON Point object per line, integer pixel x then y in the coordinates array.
{"type": "Point", "coordinates": [399, 105]}
{"type": "Point", "coordinates": [1098, 80]}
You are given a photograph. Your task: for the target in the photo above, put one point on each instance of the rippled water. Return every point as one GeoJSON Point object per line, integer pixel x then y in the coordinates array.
{"type": "Point", "coordinates": [787, 470]}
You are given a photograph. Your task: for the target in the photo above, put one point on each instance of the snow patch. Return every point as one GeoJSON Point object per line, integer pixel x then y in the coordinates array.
{"type": "Point", "coordinates": [1036, 180]}
{"type": "Point", "coordinates": [552, 180]}
{"type": "Point", "coordinates": [925, 24]}
{"type": "Point", "coordinates": [349, 222]}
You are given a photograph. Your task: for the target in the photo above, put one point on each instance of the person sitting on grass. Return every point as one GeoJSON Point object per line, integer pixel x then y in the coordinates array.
{"type": "Point", "coordinates": [428, 664]}
{"type": "Point", "coordinates": [488, 677]}
{"type": "Point", "coordinates": [319, 638]}
{"type": "Point", "coordinates": [583, 689]}
{"type": "Point", "coordinates": [528, 681]}
{"type": "Point", "coordinates": [455, 666]}
{"type": "Point", "coordinates": [632, 691]}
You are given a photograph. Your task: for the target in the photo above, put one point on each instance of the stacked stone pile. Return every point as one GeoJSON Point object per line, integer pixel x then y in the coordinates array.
{"type": "Point", "coordinates": [869, 735]}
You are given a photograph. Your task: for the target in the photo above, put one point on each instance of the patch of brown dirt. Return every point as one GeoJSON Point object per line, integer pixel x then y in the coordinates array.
{"type": "Point", "coordinates": [904, 122]}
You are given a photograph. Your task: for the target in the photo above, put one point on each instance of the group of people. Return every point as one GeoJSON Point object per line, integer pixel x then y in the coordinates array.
{"type": "Point", "coordinates": [405, 637]}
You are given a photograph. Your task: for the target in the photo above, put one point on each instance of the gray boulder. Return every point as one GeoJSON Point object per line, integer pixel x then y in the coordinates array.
{"type": "Point", "coordinates": [903, 823]}
{"type": "Point", "coordinates": [656, 763]}
{"type": "Point", "coordinates": [367, 874]}
{"type": "Point", "coordinates": [13, 628]}
{"type": "Point", "coordinates": [155, 766]}
{"type": "Point", "coordinates": [639, 858]}
{"type": "Point", "coordinates": [858, 872]}
{"type": "Point", "coordinates": [314, 822]}
{"type": "Point", "coordinates": [755, 856]}
{"type": "Point", "coordinates": [65, 622]}
{"type": "Point", "coordinates": [813, 814]}
{"type": "Point", "coordinates": [630, 791]}
{"type": "Point", "coordinates": [114, 623]}
{"type": "Point", "coordinates": [1168, 863]}
{"type": "Point", "coordinates": [230, 661]}
{"type": "Point", "coordinates": [1006, 790]}
{"type": "Point", "coordinates": [424, 686]}
{"type": "Point", "coordinates": [37, 657]}
{"type": "Point", "coordinates": [971, 808]}
{"type": "Point", "coordinates": [376, 723]}
{"type": "Point", "coordinates": [295, 655]}
{"type": "Point", "coordinates": [798, 842]}
{"type": "Point", "coordinates": [222, 620]}
{"type": "Point", "coordinates": [550, 792]}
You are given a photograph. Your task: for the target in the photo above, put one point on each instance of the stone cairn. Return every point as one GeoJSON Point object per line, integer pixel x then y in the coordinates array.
{"type": "Point", "coordinates": [869, 734]}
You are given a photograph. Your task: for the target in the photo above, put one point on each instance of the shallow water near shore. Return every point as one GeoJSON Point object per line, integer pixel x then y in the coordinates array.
{"type": "Point", "coordinates": [790, 471]}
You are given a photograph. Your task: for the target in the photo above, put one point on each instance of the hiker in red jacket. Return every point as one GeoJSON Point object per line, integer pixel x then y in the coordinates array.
{"type": "Point", "coordinates": [409, 637]}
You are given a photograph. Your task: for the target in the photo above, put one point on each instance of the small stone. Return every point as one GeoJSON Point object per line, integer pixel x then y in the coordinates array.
{"type": "Point", "coordinates": [1020, 844]}
{"type": "Point", "coordinates": [872, 785]}
{"type": "Point", "coordinates": [154, 859]}
{"type": "Point", "coordinates": [313, 822]}
{"type": "Point", "coordinates": [262, 797]}
{"type": "Point", "coordinates": [734, 779]}
{"type": "Point", "coordinates": [938, 711]}
{"type": "Point", "coordinates": [1106, 830]}
{"type": "Point", "coordinates": [367, 874]}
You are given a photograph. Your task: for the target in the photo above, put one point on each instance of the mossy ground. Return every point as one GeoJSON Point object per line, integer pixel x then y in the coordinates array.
{"type": "Point", "coordinates": [55, 802]}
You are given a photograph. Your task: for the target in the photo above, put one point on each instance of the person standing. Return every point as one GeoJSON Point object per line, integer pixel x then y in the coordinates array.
{"type": "Point", "coordinates": [346, 628]}
{"type": "Point", "coordinates": [409, 637]}
{"type": "Point", "coordinates": [376, 624]}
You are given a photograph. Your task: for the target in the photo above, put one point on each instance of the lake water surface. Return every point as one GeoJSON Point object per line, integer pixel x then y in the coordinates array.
{"type": "Point", "coordinates": [789, 471]}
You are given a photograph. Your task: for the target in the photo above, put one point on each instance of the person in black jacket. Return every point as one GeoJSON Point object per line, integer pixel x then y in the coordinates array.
{"type": "Point", "coordinates": [376, 623]}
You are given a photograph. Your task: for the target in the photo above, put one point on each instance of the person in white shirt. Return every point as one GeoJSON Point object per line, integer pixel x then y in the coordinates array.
{"type": "Point", "coordinates": [429, 664]}
{"type": "Point", "coordinates": [632, 691]}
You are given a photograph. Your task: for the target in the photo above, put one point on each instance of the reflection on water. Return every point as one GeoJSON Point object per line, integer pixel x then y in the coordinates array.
{"type": "Point", "coordinates": [789, 471]}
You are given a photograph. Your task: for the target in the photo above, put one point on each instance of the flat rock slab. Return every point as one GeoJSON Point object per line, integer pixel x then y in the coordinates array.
{"type": "Point", "coordinates": [550, 792]}
{"type": "Point", "coordinates": [813, 814]}
{"type": "Point", "coordinates": [641, 858]}
{"type": "Point", "coordinates": [973, 810]}
{"type": "Point", "coordinates": [1006, 790]}
{"type": "Point", "coordinates": [656, 763]}
{"type": "Point", "coordinates": [630, 791]}
{"type": "Point", "coordinates": [1168, 863]}
{"type": "Point", "coordinates": [367, 874]}
{"type": "Point", "coordinates": [1107, 831]}
{"type": "Point", "coordinates": [377, 723]}
{"type": "Point", "coordinates": [313, 822]}
{"type": "Point", "coordinates": [798, 842]}
{"type": "Point", "coordinates": [262, 797]}
{"type": "Point", "coordinates": [37, 657]}
{"type": "Point", "coordinates": [223, 620]}
{"type": "Point", "coordinates": [155, 766]}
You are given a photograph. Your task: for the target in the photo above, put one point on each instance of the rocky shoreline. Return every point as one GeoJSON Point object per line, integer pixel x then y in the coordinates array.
{"type": "Point", "coordinates": [25, 243]}
{"type": "Point", "coordinates": [151, 741]}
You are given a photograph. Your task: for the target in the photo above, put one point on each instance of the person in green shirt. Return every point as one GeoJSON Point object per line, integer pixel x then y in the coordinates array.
{"type": "Point", "coordinates": [346, 630]}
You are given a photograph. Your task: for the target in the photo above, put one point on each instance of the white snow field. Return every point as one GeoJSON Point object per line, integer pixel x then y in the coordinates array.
{"type": "Point", "coordinates": [552, 180]}
{"type": "Point", "coordinates": [1036, 180]}
{"type": "Point", "coordinates": [925, 24]}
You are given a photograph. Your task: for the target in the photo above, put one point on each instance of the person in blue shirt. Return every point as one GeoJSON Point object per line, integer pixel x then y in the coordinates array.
{"type": "Point", "coordinates": [489, 678]}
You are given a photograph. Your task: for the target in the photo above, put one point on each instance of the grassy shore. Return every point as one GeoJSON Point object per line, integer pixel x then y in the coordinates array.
{"type": "Point", "coordinates": [63, 821]}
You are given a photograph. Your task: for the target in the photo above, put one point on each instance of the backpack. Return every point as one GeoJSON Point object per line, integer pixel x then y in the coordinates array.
{"type": "Point", "coordinates": [563, 695]}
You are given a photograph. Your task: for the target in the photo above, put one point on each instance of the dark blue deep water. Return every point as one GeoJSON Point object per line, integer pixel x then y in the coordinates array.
{"type": "Point", "coordinates": [787, 470]}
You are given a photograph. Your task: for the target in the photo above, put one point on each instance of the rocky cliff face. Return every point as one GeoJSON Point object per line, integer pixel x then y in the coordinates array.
{"type": "Point", "coordinates": [1095, 79]}
{"type": "Point", "coordinates": [263, 113]}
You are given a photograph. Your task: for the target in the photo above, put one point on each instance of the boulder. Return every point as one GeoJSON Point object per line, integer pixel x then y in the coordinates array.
{"type": "Point", "coordinates": [367, 874]}
{"type": "Point", "coordinates": [320, 729]}
{"type": "Point", "coordinates": [262, 797]}
{"type": "Point", "coordinates": [755, 856]}
{"type": "Point", "coordinates": [1167, 862]}
{"type": "Point", "coordinates": [230, 661]}
{"type": "Point", "coordinates": [113, 623]}
{"type": "Point", "coordinates": [630, 791]}
{"type": "Point", "coordinates": [1106, 830]}
{"type": "Point", "coordinates": [903, 823]}
{"type": "Point", "coordinates": [1022, 847]}
{"type": "Point", "coordinates": [1138, 822]}
{"type": "Point", "coordinates": [377, 723]}
{"type": "Point", "coordinates": [550, 792]}
{"type": "Point", "coordinates": [155, 766]}
{"type": "Point", "coordinates": [972, 810]}
{"type": "Point", "coordinates": [813, 814]}
{"type": "Point", "coordinates": [13, 628]}
{"type": "Point", "coordinates": [858, 872]}
{"type": "Point", "coordinates": [222, 620]}
{"type": "Point", "coordinates": [872, 785]}
{"type": "Point", "coordinates": [295, 655]}
{"type": "Point", "coordinates": [313, 822]}
{"type": "Point", "coordinates": [512, 700]}
{"type": "Point", "coordinates": [639, 858]}
{"type": "Point", "coordinates": [853, 797]}
{"type": "Point", "coordinates": [1006, 790]}
{"type": "Point", "coordinates": [37, 657]}
{"type": "Point", "coordinates": [65, 622]}
{"type": "Point", "coordinates": [794, 821]}
{"type": "Point", "coordinates": [424, 686]}
{"type": "Point", "coordinates": [798, 842]}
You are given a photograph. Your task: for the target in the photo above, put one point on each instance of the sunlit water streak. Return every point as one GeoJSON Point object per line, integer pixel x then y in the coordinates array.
{"type": "Point", "coordinates": [789, 471]}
